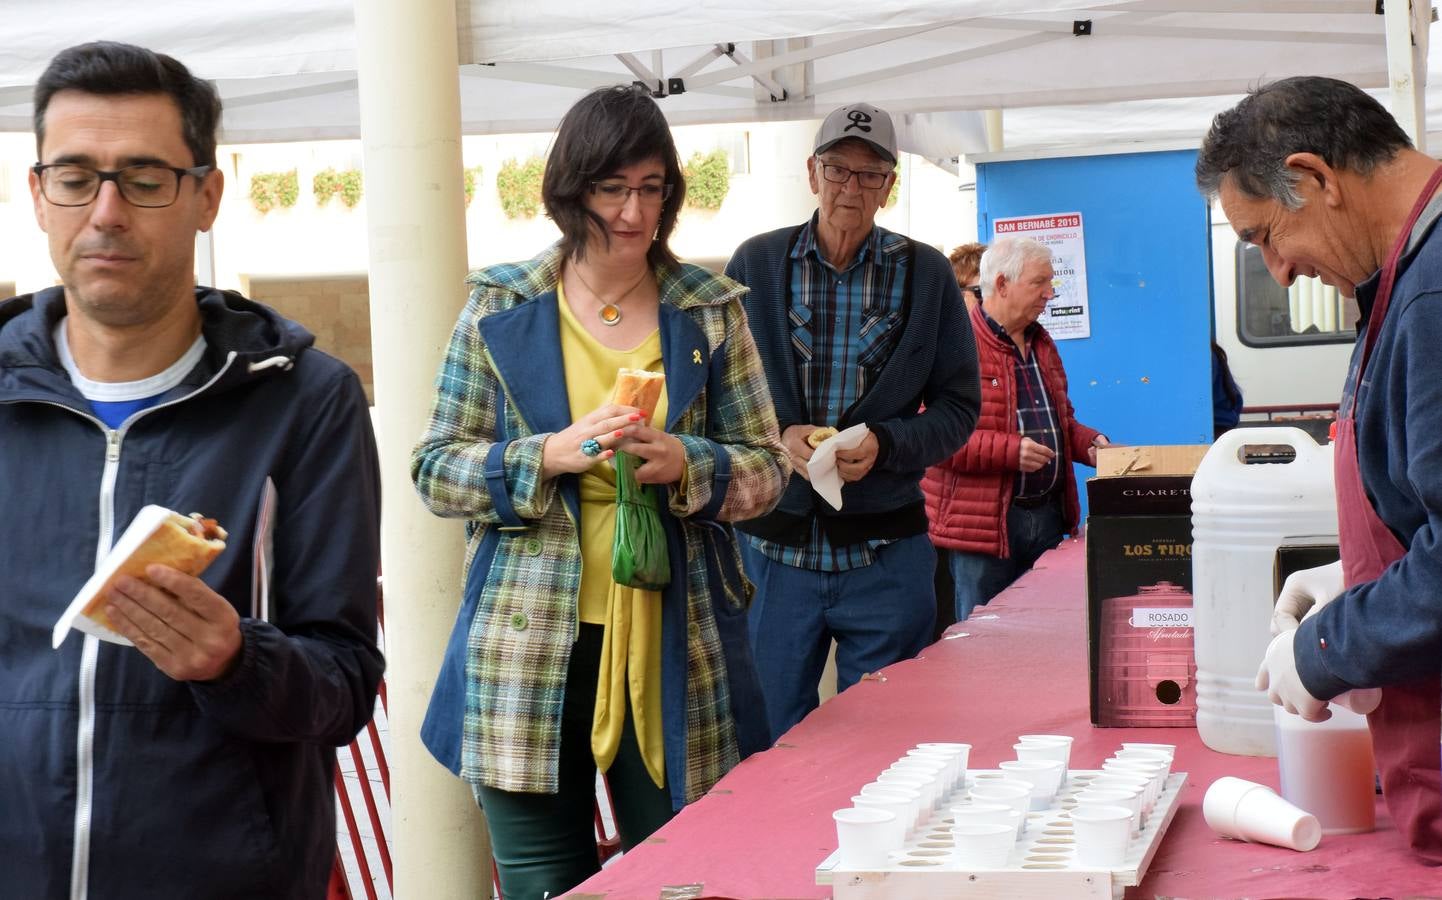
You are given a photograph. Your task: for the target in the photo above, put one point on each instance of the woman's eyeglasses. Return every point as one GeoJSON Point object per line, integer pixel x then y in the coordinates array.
{"type": "Point", "coordinates": [618, 193]}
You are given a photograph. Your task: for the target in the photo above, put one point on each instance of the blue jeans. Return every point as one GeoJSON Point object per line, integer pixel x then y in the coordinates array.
{"type": "Point", "coordinates": [978, 577]}
{"type": "Point", "coordinates": [878, 614]}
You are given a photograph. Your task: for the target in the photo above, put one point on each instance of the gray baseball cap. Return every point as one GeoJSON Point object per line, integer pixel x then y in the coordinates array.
{"type": "Point", "coordinates": [863, 122]}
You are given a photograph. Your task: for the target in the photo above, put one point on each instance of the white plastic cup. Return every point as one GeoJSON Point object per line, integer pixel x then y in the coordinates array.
{"type": "Point", "coordinates": [1044, 775]}
{"type": "Point", "coordinates": [982, 846]}
{"type": "Point", "coordinates": [989, 814]}
{"type": "Point", "coordinates": [1055, 751]}
{"type": "Point", "coordinates": [1154, 772]}
{"type": "Point", "coordinates": [955, 761]}
{"type": "Point", "coordinates": [928, 786]}
{"type": "Point", "coordinates": [913, 799]}
{"type": "Point", "coordinates": [1053, 739]}
{"type": "Point", "coordinates": [1102, 835]}
{"type": "Point", "coordinates": [1152, 756]}
{"type": "Point", "coordinates": [1169, 749]}
{"type": "Point", "coordinates": [1131, 798]}
{"type": "Point", "coordinates": [1126, 782]}
{"type": "Point", "coordinates": [1016, 794]}
{"type": "Point", "coordinates": [861, 834]}
{"type": "Point", "coordinates": [962, 750]}
{"type": "Point", "coordinates": [898, 806]}
{"type": "Point", "coordinates": [1252, 812]}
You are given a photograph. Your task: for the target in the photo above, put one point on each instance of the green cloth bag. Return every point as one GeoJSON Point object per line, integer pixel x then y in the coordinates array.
{"type": "Point", "coordinates": [638, 556]}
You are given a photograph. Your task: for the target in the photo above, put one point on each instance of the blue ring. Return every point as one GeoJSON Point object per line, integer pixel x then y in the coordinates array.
{"type": "Point", "coordinates": [591, 447]}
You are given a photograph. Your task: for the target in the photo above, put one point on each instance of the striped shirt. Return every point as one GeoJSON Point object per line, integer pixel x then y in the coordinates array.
{"type": "Point", "coordinates": [1036, 418]}
{"type": "Point", "coordinates": [844, 324]}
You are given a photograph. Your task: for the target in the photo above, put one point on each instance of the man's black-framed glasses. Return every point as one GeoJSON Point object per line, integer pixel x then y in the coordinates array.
{"type": "Point", "coordinates": [618, 193]}
{"type": "Point", "coordinates": [149, 185]}
{"type": "Point", "coordinates": [972, 289]}
{"type": "Point", "coordinates": [840, 175]}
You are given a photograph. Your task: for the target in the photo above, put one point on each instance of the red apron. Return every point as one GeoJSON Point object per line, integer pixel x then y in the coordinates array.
{"type": "Point", "coordinates": [1407, 726]}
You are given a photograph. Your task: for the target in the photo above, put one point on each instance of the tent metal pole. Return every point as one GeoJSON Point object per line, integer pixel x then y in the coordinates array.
{"type": "Point", "coordinates": [1407, 67]}
{"type": "Point", "coordinates": [410, 136]}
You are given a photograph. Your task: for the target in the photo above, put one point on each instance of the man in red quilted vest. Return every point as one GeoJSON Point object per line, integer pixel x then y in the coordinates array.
{"type": "Point", "coordinates": [1008, 495]}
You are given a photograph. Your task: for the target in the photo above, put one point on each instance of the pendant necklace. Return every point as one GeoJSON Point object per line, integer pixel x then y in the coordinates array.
{"type": "Point", "coordinates": [610, 312]}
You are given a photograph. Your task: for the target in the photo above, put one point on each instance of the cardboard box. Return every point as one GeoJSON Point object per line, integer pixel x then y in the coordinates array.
{"type": "Point", "coordinates": [1139, 581]}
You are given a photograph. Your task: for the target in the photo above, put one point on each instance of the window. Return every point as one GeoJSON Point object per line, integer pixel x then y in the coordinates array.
{"type": "Point", "coordinates": [1308, 312]}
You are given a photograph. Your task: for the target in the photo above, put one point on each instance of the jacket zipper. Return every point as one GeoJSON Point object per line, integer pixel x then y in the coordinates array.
{"type": "Point", "coordinates": [90, 653]}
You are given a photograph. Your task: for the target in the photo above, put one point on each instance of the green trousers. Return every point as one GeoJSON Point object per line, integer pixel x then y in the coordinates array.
{"type": "Point", "coordinates": [545, 844]}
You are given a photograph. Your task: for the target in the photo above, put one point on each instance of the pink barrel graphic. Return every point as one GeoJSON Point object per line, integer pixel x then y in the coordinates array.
{"type": "Point", "coordinates": [1147, 673]}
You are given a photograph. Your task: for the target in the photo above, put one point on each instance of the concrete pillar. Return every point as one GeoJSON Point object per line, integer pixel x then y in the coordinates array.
{"type": "Point", "coordinates": [410, 134]}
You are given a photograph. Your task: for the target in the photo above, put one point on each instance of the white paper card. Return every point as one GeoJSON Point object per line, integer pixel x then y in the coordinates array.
{"type": "Point", "coordinates": [821, 468]}
{"type": "Point", "coordinates": [141, 527]}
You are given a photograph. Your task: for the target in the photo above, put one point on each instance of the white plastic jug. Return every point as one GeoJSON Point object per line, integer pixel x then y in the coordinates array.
{"type": "Point", "coordinates": [1243, 509]}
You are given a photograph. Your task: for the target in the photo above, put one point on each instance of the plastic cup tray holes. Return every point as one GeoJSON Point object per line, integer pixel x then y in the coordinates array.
{"type": "Point", "coordinates": [1042, 863]}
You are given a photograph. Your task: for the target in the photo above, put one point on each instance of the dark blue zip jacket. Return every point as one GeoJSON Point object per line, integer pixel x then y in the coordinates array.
{"type": "Point", "coordinates": [216, 790]}
{"type": "Point", "coordinates": [1389, 631]}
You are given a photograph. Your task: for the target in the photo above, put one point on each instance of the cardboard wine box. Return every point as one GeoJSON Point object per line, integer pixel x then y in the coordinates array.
{"type": "Point", "coordinates": [1139, 581]}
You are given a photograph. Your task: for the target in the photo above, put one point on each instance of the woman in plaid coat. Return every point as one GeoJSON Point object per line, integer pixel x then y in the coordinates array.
{"type": "Point", "coordinates": [552, 669]}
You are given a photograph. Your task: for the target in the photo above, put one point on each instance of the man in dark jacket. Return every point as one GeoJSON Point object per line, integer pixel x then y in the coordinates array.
{"type": "Point", "coordinates": [855, 325]}
{"type": "Point", "coordinates": [190, 752]}
{"type": "Point", "coordinates": [1009, 495]}
{"type": "Point", "coordinates": [1325, 183]}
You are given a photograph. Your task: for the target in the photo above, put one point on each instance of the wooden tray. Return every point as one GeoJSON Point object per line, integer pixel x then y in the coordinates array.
{"type": "Point", "coordinates": [1042, 865]}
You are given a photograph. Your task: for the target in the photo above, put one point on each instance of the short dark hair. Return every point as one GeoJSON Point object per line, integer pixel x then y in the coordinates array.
{"type": "Point", "coordinates": [1336, 120]}
{"type": "Point", "coordinates": [608, 129]}
{"type": "Point", "coordinates": [109, 68]}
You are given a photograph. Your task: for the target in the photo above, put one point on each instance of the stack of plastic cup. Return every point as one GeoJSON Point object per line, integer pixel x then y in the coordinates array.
{"type": "Point", "coordinates": [862, 836]}
{"type": "Point", "coordinates": [1252, 812]}
{"type": "Point", "coordinates": [982, 846]}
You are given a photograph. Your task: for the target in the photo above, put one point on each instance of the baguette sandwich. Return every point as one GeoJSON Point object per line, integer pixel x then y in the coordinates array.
{"type": "Point", "coordinates": [184, 543]}
{"type": "Point", "coordinates": [639, 388]}
{"type": "Point", "coordinates": [816, 437]}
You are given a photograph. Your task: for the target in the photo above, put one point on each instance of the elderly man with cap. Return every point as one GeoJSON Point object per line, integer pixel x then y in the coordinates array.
{"type": "Point", "coordinates": [855, 324]}
{"type": "Point", "coordinates": [1317, 175]}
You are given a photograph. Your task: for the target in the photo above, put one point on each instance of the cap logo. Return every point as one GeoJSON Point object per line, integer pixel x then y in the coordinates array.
{"type": "Point", "coordinates": [859, 120]}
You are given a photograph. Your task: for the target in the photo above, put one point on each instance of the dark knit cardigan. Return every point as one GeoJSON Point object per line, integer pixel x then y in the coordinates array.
{"type": "Point", "coordinates": [922, 406]}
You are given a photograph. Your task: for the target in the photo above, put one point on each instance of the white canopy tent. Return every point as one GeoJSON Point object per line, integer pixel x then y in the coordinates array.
{"type": "Point", "coordinates": [288, 68]}
{"type": "Point", "coordinates": [295, 69]}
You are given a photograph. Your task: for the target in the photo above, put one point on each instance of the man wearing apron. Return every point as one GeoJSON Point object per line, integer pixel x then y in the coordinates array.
{"type": "Point", "coordinates": [1322, 179]}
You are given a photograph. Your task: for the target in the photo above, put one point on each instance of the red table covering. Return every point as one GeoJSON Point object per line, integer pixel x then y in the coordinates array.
{"type": "Point", "coordinates": [1018, 666]}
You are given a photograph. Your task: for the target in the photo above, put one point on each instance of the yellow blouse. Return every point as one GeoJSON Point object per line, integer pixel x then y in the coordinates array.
{"type": "Point", "coordinates": [631, 648]}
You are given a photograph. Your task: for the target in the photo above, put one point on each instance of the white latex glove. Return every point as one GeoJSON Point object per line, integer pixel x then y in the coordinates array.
{"type": "Point", "coordinates": [1304, 593]}
{"type": "Point", "coordinates": [1360, 700]}
{"type": "Point", "coordinates": [1278, 677]}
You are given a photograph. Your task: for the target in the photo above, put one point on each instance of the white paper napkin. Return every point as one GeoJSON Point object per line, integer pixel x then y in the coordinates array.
{"type": "Point", "coordinates": [821, 469]}
{"type": "Point", "coordinates": [141, 527]}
